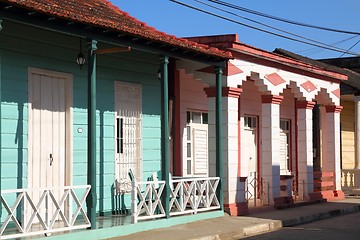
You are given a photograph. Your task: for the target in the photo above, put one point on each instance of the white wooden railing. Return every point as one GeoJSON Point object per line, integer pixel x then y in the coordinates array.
{"type": "Point", "coordinates": [192, 195]}
{"type": "Point", "coordinates": [350, 179]}
{"type": "Point", "coordinates": [187, 195]}
{"type": "Point", "coordinates": [43, 211]}
{"type": "Point", "coordinates": [146, 200]}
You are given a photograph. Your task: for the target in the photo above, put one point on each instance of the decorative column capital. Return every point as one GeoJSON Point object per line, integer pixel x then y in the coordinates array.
{"type": "Point", "coordinates": [305, 104]}
{"type": "Point", "coordinates": [333, 109]}
{"type": "Point", "coordinates": [164, 59]}
{"type": "Point", "coordinates": [218, 70]}
{"type": "Point", "coordinates": [91, 44]}
{"type": "Point", "coordinates": [226, 92]}
{"type": "Point", "coordinates": [275, 99]}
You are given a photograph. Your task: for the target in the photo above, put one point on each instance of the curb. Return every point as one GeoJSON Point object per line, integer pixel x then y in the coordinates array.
{"type": "Point", "coordinates": [247, 231]}
{"type": "Point", "coordinates": [278, 224]}
{"type": "Point", "coordinates": [319, 216]}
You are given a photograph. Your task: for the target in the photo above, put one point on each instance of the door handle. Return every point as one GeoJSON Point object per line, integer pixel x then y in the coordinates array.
{"type": "Point", "coordinates": [51, 159]}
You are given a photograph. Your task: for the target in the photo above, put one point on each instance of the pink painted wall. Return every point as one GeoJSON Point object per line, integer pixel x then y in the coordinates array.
{"type": "Point", "coordinates": [192, 97]}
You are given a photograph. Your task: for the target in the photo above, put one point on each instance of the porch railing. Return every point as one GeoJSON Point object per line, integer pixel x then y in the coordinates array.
{"type": "Point", "coordinates": [43, 211]}
{"type": "Point", "coordinates": [350, 180]}
{"type": "Point", "coordinates": [187, 195]}
{"type": "Point", "coordinates": [192, 195]}
{"type": "Point", "coordinates": [146, 200]}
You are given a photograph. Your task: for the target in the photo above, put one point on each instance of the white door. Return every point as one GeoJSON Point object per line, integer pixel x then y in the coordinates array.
{"type": "Point", "coordinates": [128, 147]}
{"type": "Point", "coordinates": [250, 154]}
{"type": "Point", "coordinates": [48, 122]}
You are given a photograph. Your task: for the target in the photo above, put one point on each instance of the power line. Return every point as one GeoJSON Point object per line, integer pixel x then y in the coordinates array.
{"type": "Point", "coordinates": [266, 25]}
{"type": "Point", "coordinates": [259, 29]}
{"type": "Point", "coordinates": [350, 48]}
{"type": "Point", "coordinates": [281, 19]}
{"type": "Point", "coordinates": [319, 50]}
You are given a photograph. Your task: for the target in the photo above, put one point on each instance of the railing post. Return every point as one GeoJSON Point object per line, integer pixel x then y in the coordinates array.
{"type": "Point", "coordinates": [134, 209]}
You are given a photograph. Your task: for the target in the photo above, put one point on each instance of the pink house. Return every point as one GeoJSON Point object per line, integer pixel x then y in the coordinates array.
{"type": "Point", "coordinates": [281, 127]}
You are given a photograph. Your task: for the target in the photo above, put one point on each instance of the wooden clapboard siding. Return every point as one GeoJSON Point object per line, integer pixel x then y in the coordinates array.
{"type": "Point", "coordinates": [24, 46]}
{"type": "Point", "coordinates": [347, 134]}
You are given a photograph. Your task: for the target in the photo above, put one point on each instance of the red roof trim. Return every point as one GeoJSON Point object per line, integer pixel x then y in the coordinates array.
{"type": "Point", "coordinates": [249, 50]}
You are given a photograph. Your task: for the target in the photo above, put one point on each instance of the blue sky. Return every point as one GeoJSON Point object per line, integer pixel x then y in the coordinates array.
{"type": "Point", "coordinates": [180, 21]}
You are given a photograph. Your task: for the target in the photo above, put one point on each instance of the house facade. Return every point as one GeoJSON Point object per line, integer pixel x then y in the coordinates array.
{"type": "Point", "coordinates": [349, 120]}
{"type": "Point", "coordinates": [281, 128]}
{"type": "Point", "coordinates": [90, 141]}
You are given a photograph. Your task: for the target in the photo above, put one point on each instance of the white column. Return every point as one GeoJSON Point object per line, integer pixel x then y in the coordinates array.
{"type": "Point", "coordinates": [332, 161]}
{"type": "Point", "coordinates": [229, 139]}
{"type": "Point", "coordinates": [270, 147]}
{"type": "Point", "coordinates": [357, 131]}
{"type": "Point", "coordinates": [305, 148]}
{"type": "Point", "coordinates": [231, 148]}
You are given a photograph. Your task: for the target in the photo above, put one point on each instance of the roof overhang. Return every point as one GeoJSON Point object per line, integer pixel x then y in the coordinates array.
{"type": "Point", "coordinates": [52, 23]}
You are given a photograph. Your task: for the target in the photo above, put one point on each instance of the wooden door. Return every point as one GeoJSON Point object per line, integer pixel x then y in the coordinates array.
{"type": "Point", "coordinates": [47, 136]}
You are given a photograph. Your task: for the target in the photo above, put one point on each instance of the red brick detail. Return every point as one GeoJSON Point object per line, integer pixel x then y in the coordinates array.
{"type": "Point", "coordinates": [330, 195]}
{"type": "Point", "coordinates": [334, 108]}
{"type": "Point", "coordinates": [271, 99]}
{"type": "Point", "coordinates": [275, 79]}
{"type": "Point", "coordinates": [284, 202]}
{"type": "Point", "coordinates": [305, 104]}
{"type": "Point", "coordinates": [336, 92]}
{"type": "Point", "coordinates": [308, 86]}
{"type": "Point", "coordinates": [229, 70]}
{"type": "Point", "coordinates": [236, 209]}
{"type": "Point", "coordinates": [226, 92]}
{"type": "Point", "coordinates": [283, 188]}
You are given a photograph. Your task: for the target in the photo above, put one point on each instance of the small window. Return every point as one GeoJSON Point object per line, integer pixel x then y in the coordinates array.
{"type": "Point", "coordinates": [250, 121]}
{"type": "Point", "coordinates": [196, 117]}
{"type": "Point", "coordinates": [188, 117]}
{"type": "Point", "coordinates": [205, 118]}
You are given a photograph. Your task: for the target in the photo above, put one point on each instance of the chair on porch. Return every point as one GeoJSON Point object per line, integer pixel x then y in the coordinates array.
{"type": "Point", "coordinates": [156, 185]}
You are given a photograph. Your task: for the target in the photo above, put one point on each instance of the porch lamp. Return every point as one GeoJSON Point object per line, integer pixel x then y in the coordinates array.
{"type": "Point", "coordinates": [80, 59]}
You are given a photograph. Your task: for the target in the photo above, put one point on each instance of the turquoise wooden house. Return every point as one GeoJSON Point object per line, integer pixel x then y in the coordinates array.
{"type": "Point", "coordinates": [85, 122]}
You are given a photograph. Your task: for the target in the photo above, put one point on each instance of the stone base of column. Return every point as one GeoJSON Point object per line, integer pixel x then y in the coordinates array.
{"type": "Point", "coordinates": [283, 202]}
{"type": "Point", "coordinates": [236, 209]}
{"type": "Point", "coordinates": [329, 195]}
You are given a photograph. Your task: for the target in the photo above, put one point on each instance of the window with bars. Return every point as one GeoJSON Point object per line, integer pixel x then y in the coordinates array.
{"type": "Point", "coordinates": [128, 136]}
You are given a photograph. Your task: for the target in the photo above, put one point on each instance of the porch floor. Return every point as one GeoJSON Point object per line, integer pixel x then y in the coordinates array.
{"type": "Point", "coordinates": [101, 222]}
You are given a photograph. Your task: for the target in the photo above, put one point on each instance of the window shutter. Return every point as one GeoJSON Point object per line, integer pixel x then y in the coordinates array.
{"type": "Point", "coordinates": [201, 150]}
{"type": "Point", "coordinates": [283, 152]}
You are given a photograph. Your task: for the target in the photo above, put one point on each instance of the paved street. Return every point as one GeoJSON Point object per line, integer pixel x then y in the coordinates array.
{"type": "Point", "coordinates": [341, 227]}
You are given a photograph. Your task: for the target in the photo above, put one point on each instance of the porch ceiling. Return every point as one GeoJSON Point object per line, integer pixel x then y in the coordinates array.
{"type": "Point", "coordinates": [100, 20]}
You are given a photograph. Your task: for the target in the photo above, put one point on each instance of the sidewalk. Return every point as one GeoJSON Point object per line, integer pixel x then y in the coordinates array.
{"type": "Point", "coordinates": [237, 227]}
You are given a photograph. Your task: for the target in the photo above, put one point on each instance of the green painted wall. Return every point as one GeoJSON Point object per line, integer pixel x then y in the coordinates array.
{"type": "Point", "coordinates": [22, 47]}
